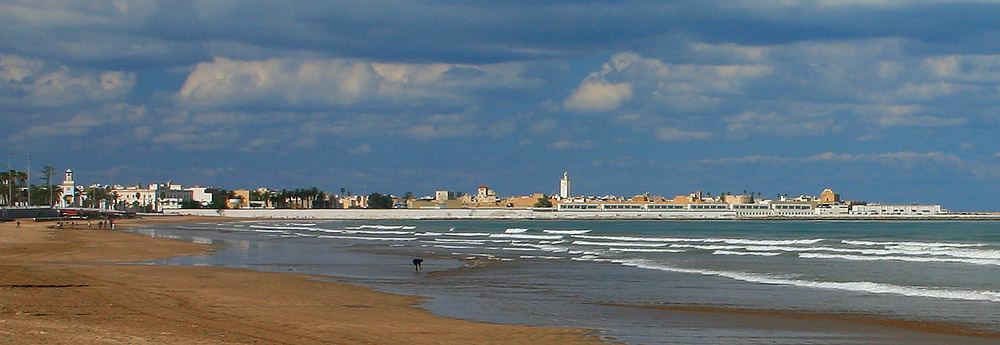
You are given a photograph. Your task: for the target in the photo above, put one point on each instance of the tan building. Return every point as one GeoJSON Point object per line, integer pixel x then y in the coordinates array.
{"type": "Point", "coordinates": [434, 204]}
{"type": "Point", "coordinates": [828, 197]}
{"type": "Point", "coordinates": [738, 199]}
{"type": "Point", "coordinates": [240, 199]}
{"type": "Point", "coordinates": [484, 197]}
{"type": "Point", "coordinates": [525, 201]}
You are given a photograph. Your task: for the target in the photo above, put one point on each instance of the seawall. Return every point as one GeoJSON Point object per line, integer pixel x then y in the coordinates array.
{"type": "Point", "coordinates": [485, 213]}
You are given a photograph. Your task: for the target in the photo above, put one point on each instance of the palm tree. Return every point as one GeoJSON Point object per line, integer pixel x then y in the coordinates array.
{"type": "Point", "coordinates": [13, 178]}
{"type": "Point", "coordinates": [96, 194]}
{"type": "Point", "coordinates": [321, 196]}
{"type": "Point", "coordinates": [48, 171]}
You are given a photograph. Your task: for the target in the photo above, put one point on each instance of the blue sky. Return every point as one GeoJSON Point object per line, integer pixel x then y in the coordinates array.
{"type": "Point", "coordinates": [887, 101]}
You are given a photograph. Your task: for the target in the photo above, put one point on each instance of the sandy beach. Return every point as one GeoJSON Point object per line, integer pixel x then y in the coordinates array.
{"type": "Point", "coordinates": [67, 286]}
{"type": "Point", "coordinates": [64, 286]}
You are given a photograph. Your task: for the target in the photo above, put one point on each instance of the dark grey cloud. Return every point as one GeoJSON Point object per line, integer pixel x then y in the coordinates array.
{"type": "Point", "coordinates": [144, 34]}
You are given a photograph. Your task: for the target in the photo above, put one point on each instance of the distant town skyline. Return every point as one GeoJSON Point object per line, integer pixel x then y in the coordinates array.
{"type": "Point", "coordinates": [894, 102]}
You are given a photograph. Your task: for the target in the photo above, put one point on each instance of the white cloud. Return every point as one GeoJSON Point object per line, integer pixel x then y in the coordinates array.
{"type": "Point", "coordinates": [677, 135]}
{"type": "Point", "coordinates": [598, 96]}
{"type": "Point", "coordinates": [291, 82]}
{"type": "Point", "coordinates": [752, 122]}
{"type": "Point", "coordinates": [440, 131]}
{"type": "Point", "coordinates": [360, 149]}
{"type": "Point", "coordinates": [929, 91]}
{"type": "Point", "coordinates": [570, 144]}
{"type": "Point", "coordinates": [201, 138]}
{"type": "Point", "coordinates": [904, 116]}
{"type": "Point", "coordinates": [34, 83]}
{"type": "Point", "coordinates": [968, 68]}
{"type": "Point", "coordinates": [500, 129]}
{"type": "Point", "coordinates": [543, 126]}
{"type": "Point", "coordinates": [84, 121]}
{"type": "Point", "coordinates": [688, 87]}
{"type": "Point", "coordinates": [906, 159]}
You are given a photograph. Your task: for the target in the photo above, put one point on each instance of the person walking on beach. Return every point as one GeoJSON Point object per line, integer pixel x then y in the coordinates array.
{"type": "Point", "coordinates": [416, 264]}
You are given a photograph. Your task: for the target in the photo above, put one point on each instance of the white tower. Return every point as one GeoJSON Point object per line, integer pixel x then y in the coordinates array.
{"type": "Point", "coordinates": [565, 187]}
{"type": "Point", "coordinates": [69, 190]}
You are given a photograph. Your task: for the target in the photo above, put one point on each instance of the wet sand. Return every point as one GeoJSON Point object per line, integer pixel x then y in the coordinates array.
{"type": "Point", "coordinates": [63, 286]}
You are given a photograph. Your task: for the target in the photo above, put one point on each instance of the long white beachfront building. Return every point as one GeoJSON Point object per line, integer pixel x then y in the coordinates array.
{"type": "Point", "coordinates": [775, 209]}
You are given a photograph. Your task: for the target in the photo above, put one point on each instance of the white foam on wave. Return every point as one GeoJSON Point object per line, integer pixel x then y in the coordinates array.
{"type": "Point", "coordinates": [454, 247]}
{"type": "Point", "coordinates": [620, 244]}
{"type": "Point", "coordinates": [636, 239]}
{"type": "Point", "coordinates": [765, 242]}
{"type": "Point", "coordinates": [707, 246]}
{"type": "Point", "coordinates": [269, 225]}
{"type": "Point", "coordinates": [594, 258]}
{"type": "Point", "coordinates": [646, 250]}
{"type": "Point", "coordinates": [269, 231]}
{"type": "Point", "coordinates": [519, 249]}
{"type": "Point", "coordinates": [898, 258]}
{"type": "Point", "coordinates": [704, 240]}
{"type": "Point", "coordinates": [530, 237]}
{"type": "Point", "coordinates": [541, 257]}
{"type": "Point", "coordinates": [866, 287]}
{"type": "Point", "coordinates": [461, 234]}
{"type": "Point", "coordinates": [542, 247]}
{"type": "Point", "coordinates": [455, 240]}
{"type": "Point", "coordinates": [729, 252]}
{"type": "Point", "coordinates": [908, 251]}
{"type": "Point", "coordinates": [277, 227]}
{"type": "Point", "coordinates": [468, 234]}
{"type": "Point", "coordinates": [363, 238]}
{"type": "Point", "coordinates": [377, 232]}
{"type": "Point", "coordinates": [201, 240]}
{"type": "Point", "coordinates": [387, 227]}
{"type": "Point", "coordinates": [910, 243]}
{"type": "Point", "coordinates": [566, 231]}
{"type": "Point", "coordinates": [515, 230]}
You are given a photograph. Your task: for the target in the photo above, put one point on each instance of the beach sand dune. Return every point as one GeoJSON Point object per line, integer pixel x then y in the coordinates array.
{"type": "Point", "coordinates": [62, 286]}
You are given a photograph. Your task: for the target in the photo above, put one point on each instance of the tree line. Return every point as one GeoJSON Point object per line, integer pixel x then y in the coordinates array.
{"type": "Point", "coordinates": [16, 191]}
{"type": "Point", "coordinates": [300, 198]}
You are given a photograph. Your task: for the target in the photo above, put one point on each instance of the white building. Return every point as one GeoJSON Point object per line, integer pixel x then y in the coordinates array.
{"type": "Point", "coordinates": [133, 197]}
{"type": "Point", "coordinates": [69, 191]}
{"type": "Point", "coordinates": [443, 195]}
{"type": "Point", "coordinates": [897, 210]}
{"type": "Point", "coordinates": [174, 198]}
{"type": "Point", "coordinates": [832, 209]}
{"type": "Point", "coordinates": [200, 195]}
{"type": "Point", "coordinates": [565, 187]}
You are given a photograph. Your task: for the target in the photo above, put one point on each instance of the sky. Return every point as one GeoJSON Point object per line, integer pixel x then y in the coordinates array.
{"type": "Point", "coordinates": [881, 101]}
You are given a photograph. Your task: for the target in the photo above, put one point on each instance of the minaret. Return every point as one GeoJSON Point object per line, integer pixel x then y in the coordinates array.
{"type": "Point", "coordinates": [69, 190]}
{"type": "Point", "coordinates": [565, 187]}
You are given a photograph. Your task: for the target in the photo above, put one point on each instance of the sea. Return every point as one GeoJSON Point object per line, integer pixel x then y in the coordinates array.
{"type": "Point", "coordinates": [648, 282]}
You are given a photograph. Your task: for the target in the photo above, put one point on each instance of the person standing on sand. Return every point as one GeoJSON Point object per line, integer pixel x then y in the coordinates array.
{"type": "Point", "coordinates": [416, 264]}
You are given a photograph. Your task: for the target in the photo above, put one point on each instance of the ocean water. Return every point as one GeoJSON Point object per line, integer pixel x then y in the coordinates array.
{"type": "Point", "coordinates": [599, 274]}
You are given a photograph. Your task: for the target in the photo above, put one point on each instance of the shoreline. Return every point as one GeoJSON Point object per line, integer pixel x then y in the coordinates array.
{"type": "Point", "coordinates": [65, 286]}
{"type": "Point", "coordinates": [524, 214]}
